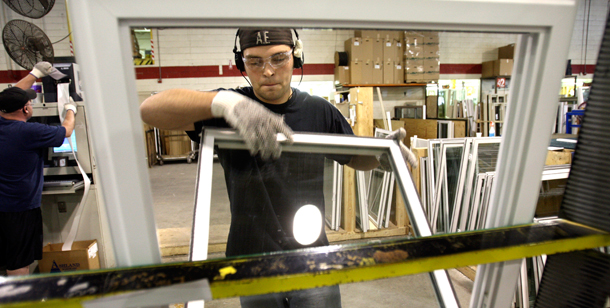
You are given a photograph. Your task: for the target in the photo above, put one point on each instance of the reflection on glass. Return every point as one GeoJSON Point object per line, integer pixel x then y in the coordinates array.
{"type": "Point", "coordinates": [142, 46]}
{"type": "Point", "coordinates": [375, 193]}
{"type": "Point", "coordinates": [271, 192]}
{"type": "Point", "coordinates": [487, 157]}
{"type": "Point", "coordinates": [333, 187]}
{"type": "Point", "coordinates": [453, 158]}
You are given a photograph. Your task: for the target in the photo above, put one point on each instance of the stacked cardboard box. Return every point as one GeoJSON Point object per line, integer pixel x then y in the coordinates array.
{"type": "Point", "coordinates": [421, 56]}
{"type": "Point", "coordinates": [501, 67]}
{"type": "Point", "coordinates": [375, 57]}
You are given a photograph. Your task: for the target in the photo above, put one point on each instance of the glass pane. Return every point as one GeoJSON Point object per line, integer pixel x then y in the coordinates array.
{"type": "Point", "coordinates": [266, 198]}
{"type": "Point", "coordinates": [487, 157]}
{"type": "Point", "coordinates": [454, 161]}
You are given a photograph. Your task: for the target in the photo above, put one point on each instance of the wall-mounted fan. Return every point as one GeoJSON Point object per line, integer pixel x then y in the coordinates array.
{"type": "Point", "coordinates": [26, 44]}
{"type": "Point", "coordinates": [31, 8]}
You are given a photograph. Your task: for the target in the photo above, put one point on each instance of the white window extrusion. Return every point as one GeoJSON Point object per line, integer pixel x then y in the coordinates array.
{"type": "Point", "coordinates": [441, 202]}
{"type": "Point", "coordinates": [102, 49]}
{"type": "Point", "coordinates": [318, 143]}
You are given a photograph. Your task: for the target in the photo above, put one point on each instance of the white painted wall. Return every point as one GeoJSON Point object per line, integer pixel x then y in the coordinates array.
{"type": "Point", "coordinates": [196, 47]}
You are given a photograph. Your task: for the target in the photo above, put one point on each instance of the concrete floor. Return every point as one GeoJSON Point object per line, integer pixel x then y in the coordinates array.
{"type": "Point", "coordinates": [173, 189]}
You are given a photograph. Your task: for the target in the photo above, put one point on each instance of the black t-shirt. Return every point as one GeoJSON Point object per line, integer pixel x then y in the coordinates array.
{"type": "Point", "coordinates": [265, 195]}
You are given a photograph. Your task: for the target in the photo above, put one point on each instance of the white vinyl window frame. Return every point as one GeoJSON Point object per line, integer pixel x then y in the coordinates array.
{"type": "Point", "coordinates": [314, 143]}
{"type": "Point", "coordinates": [470, 176]}
{"type": "Point", "coordinates": [101, 30]}
{"type": "Point", "coordinates": [441, 200]}
{"type": "Point", "coordinates": [449, 127]}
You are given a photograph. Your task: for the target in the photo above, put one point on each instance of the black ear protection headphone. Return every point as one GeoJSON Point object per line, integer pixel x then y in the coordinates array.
{"type": "Point", "coordinates": [297, 53]}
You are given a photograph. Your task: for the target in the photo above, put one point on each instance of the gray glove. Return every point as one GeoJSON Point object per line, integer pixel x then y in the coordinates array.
{"type": "Point", "coordinates": [255, 123]}
{"type": "Point", "coordinates": [42, 69]}
{"type": "Point", "coordinates": [407, 155]}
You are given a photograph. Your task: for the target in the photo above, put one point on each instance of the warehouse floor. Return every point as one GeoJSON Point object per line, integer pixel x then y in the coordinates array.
{"type": "Point", "coordinates": [173, 189]}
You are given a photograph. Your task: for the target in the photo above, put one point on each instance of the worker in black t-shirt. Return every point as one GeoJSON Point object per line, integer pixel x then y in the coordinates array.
{"type": "Point", "coordinates": [265, 188]}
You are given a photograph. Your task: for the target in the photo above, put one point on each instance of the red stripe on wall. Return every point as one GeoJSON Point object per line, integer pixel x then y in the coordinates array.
{"type": "Point", "coordinates": [12, 76]}
{"type": "Point", "coordinates": [203, 71]}
{"type": "Point", "coordinates": [579, 68]}
{"type": "Point", "coordinates": [460, 68]}
{"type": "Point", "coordinates": [214, 71]}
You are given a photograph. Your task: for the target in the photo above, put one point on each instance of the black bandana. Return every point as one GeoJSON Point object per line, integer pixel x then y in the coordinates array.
{"type": "Point", "coordinates": [261, 37]}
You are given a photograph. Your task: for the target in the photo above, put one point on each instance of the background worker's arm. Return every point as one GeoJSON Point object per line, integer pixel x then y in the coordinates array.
{"type": "Point", "coordinates": [70, 113]}
{"type": "Point", "coordinates": [69, 123]}
{"type": "Point", "coordinates": [26, 82]}
{"type": "Point", "coordinates": [41, 69]}
{"type": "Point", "coordinates": [177, 109]}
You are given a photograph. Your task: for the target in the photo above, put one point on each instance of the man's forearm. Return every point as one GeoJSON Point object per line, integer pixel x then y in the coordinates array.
{"type": "Point", "coordinates": [69, 123]}
{"type": "Point", "coordinates": [363, 163]}
{"type": "Point", "coordinates": [177, 109]}
{"type": "Point", "coordinates": [26, 82]}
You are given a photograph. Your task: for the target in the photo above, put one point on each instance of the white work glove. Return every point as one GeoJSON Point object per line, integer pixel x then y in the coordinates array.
{"type": "Point", "coordinates": [62, 109]}
{"type": "Point", "coordinates": [255, 123]}
{"type": "Point", "coordinates": [42, 69]}
{"type": "Point", "coordinates": [407, 155]}
{"type": "Point", "coordinates": [70, 106]}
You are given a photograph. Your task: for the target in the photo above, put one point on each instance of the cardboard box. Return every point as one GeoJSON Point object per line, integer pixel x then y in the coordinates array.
{"type": "Point", "coordinates": [342, 75]}
{"type": "Point", "coordinates": [378, 48]}
{"type": "Point", "coordinates": [431, 65]}
{"type": "Point", "coordinates": [431, 51]}
{"type": "Point", "coordinates": [399, 73]}
{"type": "Point", "coordinates": [391, 35]}
{"type": "Point", "coordinates": [503, 67]}
{"type": "Point", "coordinates": [414, 52]}
{"type": "Point", "coordinates": [378, 71]}
{"type": "Point", "coordinates": [414, 77]}
{"type": "Point", "coordinates": [367, 48]}
{"type": "Point", "coordinates": [400, 51]}
{"type": "Point", "coordinates": [388, 72]}
{"type": "Point", "coordinates": [374, 34]}
{"type": "Point", "coordinates": [431, 76]}
{"type": "Point", "coordinates": [355, 72]}
{"type": "Point", "coordinates": [430, 37]}
{"type": "Point", "coordinates": [487, 69]}
{"type": "Point", "coordinates": [367, 72]}
{"type": "Point", "coordinates": [353, 47]}
{"type": "Point", "coordinates": [422, 77]}
{"type": "Point", "coordinates": [414, 66]}
{"type": "Point", "coordinates": [413, 38]}
{"type": "Point", "coordinates": [506, 52]}
{"type": "Point", "coordinates": [389, 50]}
{"type": "Point", "coordinates": [83, 255]}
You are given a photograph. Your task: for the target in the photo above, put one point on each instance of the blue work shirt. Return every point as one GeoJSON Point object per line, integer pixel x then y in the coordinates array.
{"type": "Point", "coordinates": [22, 148]}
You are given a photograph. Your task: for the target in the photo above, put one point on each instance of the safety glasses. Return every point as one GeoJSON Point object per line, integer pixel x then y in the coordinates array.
{"type": "Point", "coordinates": [276, 61]}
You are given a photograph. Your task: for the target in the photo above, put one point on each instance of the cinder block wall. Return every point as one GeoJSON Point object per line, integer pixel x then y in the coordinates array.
{"type": "Point", "coordinates": [213, 47]}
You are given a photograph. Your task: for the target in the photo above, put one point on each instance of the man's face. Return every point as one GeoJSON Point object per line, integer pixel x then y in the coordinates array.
{"type": "Point", "coordinates": [271, 82]}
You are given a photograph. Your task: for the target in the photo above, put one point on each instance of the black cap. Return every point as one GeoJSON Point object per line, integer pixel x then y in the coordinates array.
{"type": "Point", "coordinates": [249, 37]}
{"type": "Point", "coordinates": [15, 98]}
